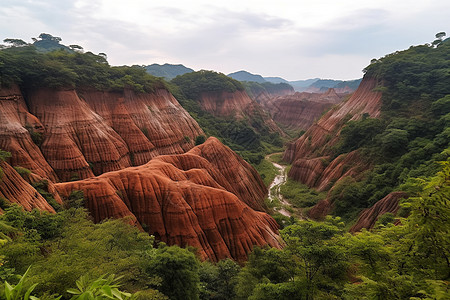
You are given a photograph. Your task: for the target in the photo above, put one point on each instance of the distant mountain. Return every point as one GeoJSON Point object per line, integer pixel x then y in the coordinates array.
{"type": "Point", "coordinates": [168, 71]}
{"type": "Point", "coordinates": [353, 84]}
{"type": "Point", "coordinates": [276, 80]}
{"type": "Point", "coordinates": [325, 83]}
{"type": "Point", "coordinates": [301, 85]}
{"type": "Point", "coordinates": [246, 76]}
{"type": "Point", "coordinates": [313, 85]}
{"type": "Point", "coordinates": [322, 85]}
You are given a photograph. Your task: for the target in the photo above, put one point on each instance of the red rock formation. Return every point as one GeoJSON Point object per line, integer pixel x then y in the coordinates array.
{"type": "Point", "coordinates": [225, 104]}
{"type": "Point", "coordinates": [320, 210]}
{"type": "Point", "coordinates": [320, 137]}
{"type": "Point", "coordinates": [16, 190]}
{"type": "Point", "coordinates": [301, 110]}
{"type": "Point", "coordinates": [237, 105]}
{"type": "Point", "coordinates": [310, 154]}
{"type": "Point", "coordinates": [15, 138]}
{"type": "Point", "coordinates": [262, 96]}
{"type": "Point", "coordinates": [96, 133]}
{"type": "Point", "coordinates": [369, 216]}
{"type": "Point", "coordinates": [199, 198]}
{"type": "Point", "coordinates": [149, 123]}
{"type": "Point", "coordinates": [319, 172]}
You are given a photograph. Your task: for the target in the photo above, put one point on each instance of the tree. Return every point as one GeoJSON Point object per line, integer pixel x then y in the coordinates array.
{"type": "Point", "coordinates": [49, 37]}
{"type": "Point", "coordinates": [393, 142]}
{"type": "Point", "coordinates": [200, 140]}
{"type": "Point", "coordinates": [178, 269]}
{"type": "Point", "coordinates": [428, 226]}
{"type": "Point", "coordinates": [316, 252]}
{"type": "Point", "coordinates": [76, 48]}
{"type": "Point", "coordinates": [439, 36]}
{"type": "Point", "coordinates": [15, 42]}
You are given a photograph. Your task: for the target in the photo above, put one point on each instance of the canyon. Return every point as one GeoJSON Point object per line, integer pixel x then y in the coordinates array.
{"type": "Point", "coordinates": [300, 110]}
{"type": "Point", "coordinates": [133, 157]}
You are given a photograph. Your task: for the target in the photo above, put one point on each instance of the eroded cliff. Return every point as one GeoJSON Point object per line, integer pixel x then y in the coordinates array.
{"type": "Point", "coordinates": [204, 198]}
{"type": "Point", "coordinates": [68, 134]}
{"type": "Point", "coordinates": [368, 217]}
{"type": "Point", "coordinates": [301, 110]}
{"type": "Point", "coordinates": [311, 155]}
{"type": "Point", "coordinates": [237, 105]}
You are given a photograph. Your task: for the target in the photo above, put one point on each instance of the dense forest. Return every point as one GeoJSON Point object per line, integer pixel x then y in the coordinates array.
{"type": "Point", "coordinates": [62, 69]}
{"type": "Point", "coordinates": [66, 255]}
{"type": "Point", "coordinates": [250, 137]}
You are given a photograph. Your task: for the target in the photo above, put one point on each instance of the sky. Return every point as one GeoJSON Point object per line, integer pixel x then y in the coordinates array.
{"type": "Point", "coordinates": [294, 40]}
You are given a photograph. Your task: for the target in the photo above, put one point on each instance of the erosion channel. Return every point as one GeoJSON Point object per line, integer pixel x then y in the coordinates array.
{"type": "Point", "coordinates": [275, 187]}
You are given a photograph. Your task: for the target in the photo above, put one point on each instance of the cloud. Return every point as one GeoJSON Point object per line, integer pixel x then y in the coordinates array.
{"type": "Point", "coordinates": [292, 39]}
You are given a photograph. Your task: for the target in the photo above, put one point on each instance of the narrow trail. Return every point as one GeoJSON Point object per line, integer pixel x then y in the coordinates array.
{"type": "Point", "coordinates": [275, 186]}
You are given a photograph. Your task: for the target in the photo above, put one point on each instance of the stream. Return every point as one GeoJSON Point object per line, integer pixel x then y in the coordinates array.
{"type": "Point", "coordinates": [275, 187]}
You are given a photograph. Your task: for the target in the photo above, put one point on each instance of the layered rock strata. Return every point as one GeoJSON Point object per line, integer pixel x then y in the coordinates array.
{"type": "Point", "coordinates": [237, 105]}
{"type": "Point", "coordinates": [369, 216]}
{"type": "Point", "coordinates": [207, 198]}
{"type": "Point", "coordinates": [310, 155]}
{"type": "Point", "coordinates": [301, 110]}
{"type": "Point", "coordinates": [68, 134]}
{"type": "Point", "coordinates": [318, 140]}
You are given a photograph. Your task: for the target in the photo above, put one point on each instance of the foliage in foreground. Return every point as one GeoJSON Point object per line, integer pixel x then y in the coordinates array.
{"type": "Point", "coordinates": [319, 261]}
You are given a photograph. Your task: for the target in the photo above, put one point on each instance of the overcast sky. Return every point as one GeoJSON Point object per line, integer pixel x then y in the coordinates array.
{"type": "Point", "coordinates": [291, 39]}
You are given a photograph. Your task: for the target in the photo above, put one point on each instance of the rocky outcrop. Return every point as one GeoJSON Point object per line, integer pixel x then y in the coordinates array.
{"type": "Point", "coordinates": [16, 126]}
{"type": "Point", "coordinates": [368, 217]}
{"type": "Point", "coordinates": [225, 104]}
{"type": "Point", "coordinates": [86, 133]}
{"type": "Point", "coordinates": [320, 172]}
{"type": "Point", "coordinates": [204, 198]}
{"type": "Point", "coordinates": [321, 209]}
{"type": "Point", "coordinates": [320, 137]}
{"type": "Point", "coordinates": [301, 110]}
{"type": "Point", "coordinates": [237, 105]}
{"type": "Point", "coordinates": [310, 155]}
{"type": "Point", "coordinates": [15, 189]}
{"type": "Point", "coordinates": [262, 96]}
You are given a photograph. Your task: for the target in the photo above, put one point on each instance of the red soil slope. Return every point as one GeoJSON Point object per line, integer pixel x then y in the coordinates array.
{"type": "Point", "coordinates": [87, 133]}
{"type": "Point", "coordinates": [204, 198]}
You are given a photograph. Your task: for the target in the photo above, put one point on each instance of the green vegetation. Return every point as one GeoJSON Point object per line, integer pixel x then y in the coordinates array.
{"type": "Point", "coordinates": [300, 195]}
{"type": "Point", "coordinates": [200, 140]}
{"type": "Point", "coordinates": [3, 156]}
{"type": "Point", "coordinates": [42, 188]}
{"type": "Point", "coordinates": [321, 261]}
{"type": "Point", "coordinates": [62, 69]}
{"type": "Point", "coordinates": [70, 255]}
{"type": "Point", "coordinates": [251, 138]}
{"type": "Point", "coordinates": [22, 171]}
{"type": "Point", "coordinates": [412, 133]}
{"type": "Point", "coordinates": [254, 89]}
{"type": "Point", "coordinates": [101, 288]}
{"type": "Point", "coordinates": [194, 83]}
{"type": "Point", "coordinates": [167, 71]}
{"type": "Point", "coordinates": [267, 171]}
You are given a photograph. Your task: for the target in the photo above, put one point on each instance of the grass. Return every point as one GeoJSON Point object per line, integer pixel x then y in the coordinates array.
{"type": "Point", "coordinates": [278, 158]}
{"type": "Point", "coordinates": [267, 171]}
{"type": "Point", "coordinates": [300, 195]}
